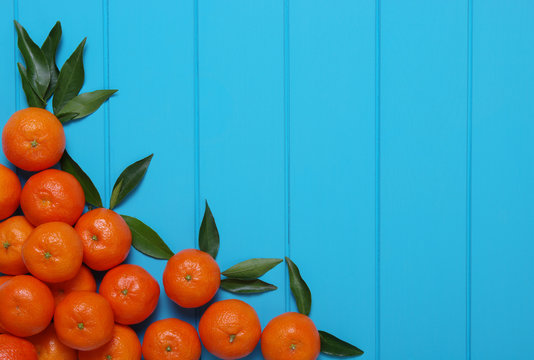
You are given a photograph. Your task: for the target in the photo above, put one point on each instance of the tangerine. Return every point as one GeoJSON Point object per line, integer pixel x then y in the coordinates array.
{"type": "Point", "coordinates": [10, 190]}
{"type": "Point", "coordinates": [53, 252]}
{"type": "Point", "coordinates": [106, 238]}
{"type": "Point", "coordinates": [191, 278]}
{"type": "Point", "coordinates": [171, 339]}
{"type": "Point", "coordinates": [123, 345]}
{"type": "Point", "coordinates": [132, 292]}
{"type": "Point", "coordinates": [290, 336]}
{"type": "Point", "coordinates": [13, 233]}
{"type": "Point", "coordinates": [83, 281]}
{"type": "Point", "coordinates": [49, 347]}
{"type": "Point", "coordinates": [14, 348]}
{"type": "Point", "coordinates": [52, 195]}
{"type": "Point", "coordinates": [26, 306]}
{"type": "Point", "coordinates": [84, 320]}
{"type": "Point", "coordinates": [33, 139]}
{"type": "Point", "coordinates": [230, 329]}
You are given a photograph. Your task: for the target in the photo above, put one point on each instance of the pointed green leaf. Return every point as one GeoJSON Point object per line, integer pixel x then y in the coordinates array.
{"type": "Point", "coordinates": [32, 98]}
{"type": "Point", "coordinates": [208, 235]}
{"type": "Point", "coordinates": [331, 345]}
{"type": "Point", "coordinates": [36, 64]}
{"type": "Point", "coordinates": [237, 286]}
{"type": "Point", "coordinates": [251, 269]}
{"type": "Point", "coordinates": [66, 117]}
{"type": "Point", "coordinates": [70, 79]}
{"type": "Point", "coordinates": [85, 104]}
{"type": "Point", "coordinates": [147, 240]}
{"type": "Point", "coordinates": [91, 193]}
{"type": "Point", "coordinates": [128, 180]}
{"type": "Point", "coordinates": [299, 288]}
{"type": "Point", "coordinates": [49, 49]}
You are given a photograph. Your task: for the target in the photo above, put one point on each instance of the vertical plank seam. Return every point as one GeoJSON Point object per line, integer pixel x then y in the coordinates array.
{"type": "Point", "coordinates": [196, 87]}
{"type": "Point", "coordinates": [287, 139]}
{"type": "Point", "coordinates": [469, 173]}
{"type": "Point", "coordinates": [377, 177]}
{"type": "Point", "coordinates": [15, 57]}
{"type": "Point", "coordinates": [107, 125]}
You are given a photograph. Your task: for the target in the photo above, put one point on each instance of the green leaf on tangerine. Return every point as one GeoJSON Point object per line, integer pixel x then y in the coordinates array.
{"type": "Point", "coordinates": [238, 286]}
{"type": "Point", "coordinates": [299, 288]}
{"type": "Point", "coordinates": [147, 240]}
{"type": "Point", "coordinates": [49, 49]}
{"type": "Point", "coordinates": [32, 98]}
{"type": "Point", "coordinates": [128, 180]}
{"type": "Point", "coordinates": [208, 235]}
{"type": "Point", "coordinates": [85, 104]}
{"type": "Point", "coordinates": [333, 346]}
{"type": "Point", "coordinates": [70, 79]}
{"type": "Point", "coordinates": [36, 64]}
{"type": "Point", "coordinates": [91, 193]}
{"type": "Point", "coordinates": [251, 269]}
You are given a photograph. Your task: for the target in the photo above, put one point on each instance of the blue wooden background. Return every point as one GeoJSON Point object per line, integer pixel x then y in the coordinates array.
{"type": "Point", "coordinates": [385, 145]}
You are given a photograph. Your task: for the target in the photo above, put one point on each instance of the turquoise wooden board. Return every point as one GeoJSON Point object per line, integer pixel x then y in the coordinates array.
{"type": "Point", "coordinates": [385, 146]}
{"type": "Point", "coordinates": [502, 178]}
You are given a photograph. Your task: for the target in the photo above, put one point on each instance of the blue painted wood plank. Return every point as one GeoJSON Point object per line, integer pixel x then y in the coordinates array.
{"type": "Point", "coordinates": [85, 140]}
{"type": "Point", "coordinates": [241, 138]}
{"type": "Point", "coordinates": [503, 175]}
{"type": "Point", "coordinates": [423, 179]}
{"type": "Point", "coordinates": [151, 62]}
{"type": "Point", "coordinates": [332, 162]}
{"type": "Point", "coordinates": [8, 70]}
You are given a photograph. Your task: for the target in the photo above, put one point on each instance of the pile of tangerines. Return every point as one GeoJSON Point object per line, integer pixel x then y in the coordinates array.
{"type": "Point", "coordinates": [54, 312]}
{"type": "Point", "coordinates": [50, 246]}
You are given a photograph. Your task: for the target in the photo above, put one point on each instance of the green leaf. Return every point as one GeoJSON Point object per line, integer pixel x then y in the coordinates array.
{"type": "Point", "coordinates": [301, 291]}
{"type": "Point", "coordinates": [147, 240]}
{"type": "Point", "coordinates": [208, 235]}
{"type": "Point", "coordinates": [36, 64]}
{"type": "Point", "coordinates": [128, 180]}
{"type": "Point", "coordinates": [85, 104]}
{"type": "Point", "coordinates": [49, 49]}
{"type": "Point", "coordinates": [91, 193]}
{"type": "Point", "coordinates": [32, 98]}
{"type": "Point", "coordinates": [70, 79]}
{"type": "Point", "coordinates": [237, 286]}
{"type": "Point", "coordinates": [331, 345]}
{"type": "Point", "coordinates": [66, 117]}
{"type": "Point", "coordinates": [251, 269]}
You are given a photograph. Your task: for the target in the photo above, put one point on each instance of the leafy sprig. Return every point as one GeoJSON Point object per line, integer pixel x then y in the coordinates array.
{"type": "Point", "coordinates": [41, 79]}
{"type": "Point", "coordinates": [330, 345]}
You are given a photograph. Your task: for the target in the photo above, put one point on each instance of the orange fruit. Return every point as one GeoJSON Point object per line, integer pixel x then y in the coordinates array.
{"type": "Point", "coordinates": [3, 279]}
{"type": "Point", "coordinates": [191, 278]}
{"type": "Point", "coordinates": [9, 192]}
{"type": "Point", "coordinates": [83, 281]}
{"type": "Point", "coordinates": [49, 347]}
{"type": "Point", "coordinates": [124, 345]}
{"type": "Point", "coordinates": [106, 238]}
{"type": "Point", "coordinates": [52, 195]}
{"type": "Point", "coordinates": [14, 348]}
{"type": "Point", "coordinates": [171, 339]}
{"type": "Point", "coordinates": [84, 320]}
{"type": "Point", "coordinates": [290, 336]}
{"type": "Point", "coordinates": [230, 329]}
{"type": "Point", "coordinates": [26, 306]}
{"type": "Point", "coordinates": [132, 293]}
{"type": "Point", "coordinates": [33, 139]}
{"type": "Point", "coordinates": [53, 252]}
{"type": "Point", "coordinates": [13, 232]}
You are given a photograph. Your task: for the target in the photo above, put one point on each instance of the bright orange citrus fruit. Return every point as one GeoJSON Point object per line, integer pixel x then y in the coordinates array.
{"type": "Point", "coordinates": [9, 192]}
{"type": "Point", "coordinates": [124, 345]}
{"type": "Point", "coordinates": [13, 233]}
{"type": "Point", "coordinates": [171, 339]}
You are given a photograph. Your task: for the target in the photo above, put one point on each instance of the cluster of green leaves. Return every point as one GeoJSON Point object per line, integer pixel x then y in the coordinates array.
{"type": "Point", "coordinates": [330, 344]}
{"type": "Point", "coordinates": [144, 238]}
{"type": "Point", "coordinates": [41, 78]}
{"type": "Point", "coordinates": [242, 278]}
